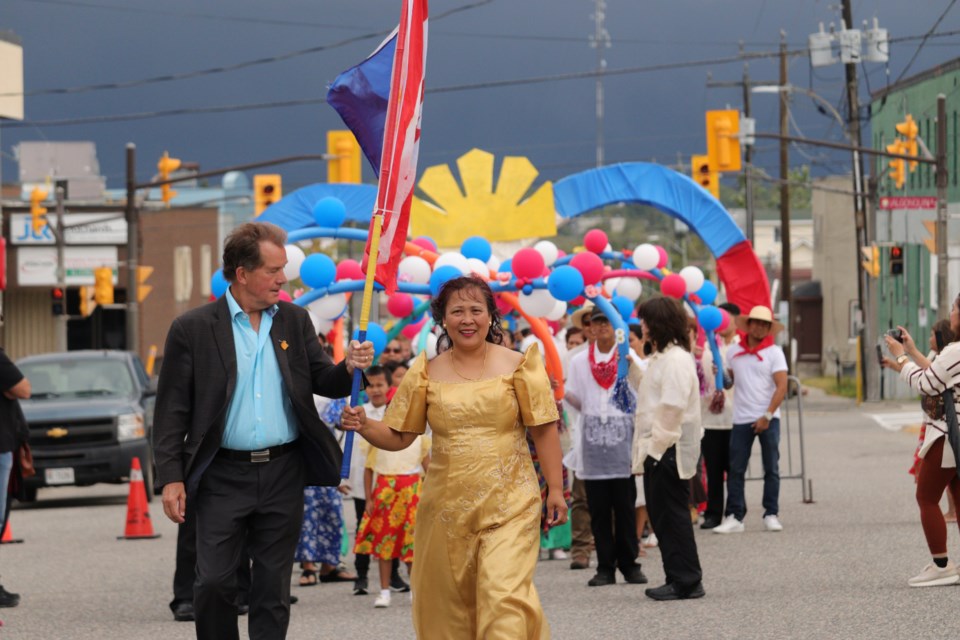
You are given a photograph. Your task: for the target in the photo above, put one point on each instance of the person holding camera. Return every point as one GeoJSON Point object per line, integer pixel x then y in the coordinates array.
{"type": "Point", "coordinates": [938, 469]}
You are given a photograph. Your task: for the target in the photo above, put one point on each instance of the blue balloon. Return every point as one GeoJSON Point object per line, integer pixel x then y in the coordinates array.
{"type": "Point", "coordinates": [440, 276]}
{"type": "Point", "coordinates": [218, 284]}
{"type": "Point", "coordinates": [376, 335]}
{"type": "Point", "coordinates": [318, 271]}
{"type": "Point", "coordinates": [476, 247]}
{"type": "Point", "coordinates": [709, 317]}
{"type": "Point", "coordinates": [707, 293]}
{"type": "Point", "coordinates": [506, 266]}
{"type": "Point", "coordinates": [633, 321]}
{"type": "Point", "coordinates": [329, 212]}
{"type": "Point", "coordinates": [565, 283]}
{"type": "Point", "coordinates": [623, 305]}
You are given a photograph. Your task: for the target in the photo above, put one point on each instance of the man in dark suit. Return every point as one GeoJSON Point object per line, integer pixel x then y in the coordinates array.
{"type": "Point", "coordinates": [237, 432]}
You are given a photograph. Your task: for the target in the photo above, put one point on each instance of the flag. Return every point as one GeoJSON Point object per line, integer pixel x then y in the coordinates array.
{"type": "Point", "coordinates": [401, 136]}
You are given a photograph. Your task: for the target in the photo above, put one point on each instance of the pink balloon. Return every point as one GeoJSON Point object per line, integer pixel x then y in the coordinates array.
{"type": "Point", "coordinates": [349, 269]}
{"type": "Point", "coordinates": [283, 295]}
{"type": "Point", "coordinates": [561, 254]}
{"type": "Point", "coordinates": [673, 285]}
{"type": "Point", "coordinates": [725, 322]}
{"type": "Point", "coordinates": [595, 240]}
{"type": "Point", "coordinates": [411, 330]}
{"type": "Point", "coordinates": [503, 306]}
{"type": "Point", "coordinates": [664, 260]}
{"type": "Point", "coordinates": [400, 305]}
{"type": "Point", "coordinates": [425, 243]}
{"type": "Point", "coordinates": [527, 263]}
{"type": "Point", "coordinates": [589, 265]}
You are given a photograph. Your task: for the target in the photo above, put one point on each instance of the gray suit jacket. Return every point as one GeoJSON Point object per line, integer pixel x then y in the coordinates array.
{"type": "Point", "coordinates": [197, 381]}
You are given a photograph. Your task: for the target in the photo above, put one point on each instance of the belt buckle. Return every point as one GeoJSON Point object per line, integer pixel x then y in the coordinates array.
{"type": "Point", "coordinates": [260, 456]}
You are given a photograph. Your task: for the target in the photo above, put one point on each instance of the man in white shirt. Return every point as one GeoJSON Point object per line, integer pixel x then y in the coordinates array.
{"type": "Point", "coordinates": [759, 371]}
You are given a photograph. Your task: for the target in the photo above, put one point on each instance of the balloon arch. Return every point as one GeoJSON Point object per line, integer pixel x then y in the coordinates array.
{"type": "Point", "coordinates": [537, 282]}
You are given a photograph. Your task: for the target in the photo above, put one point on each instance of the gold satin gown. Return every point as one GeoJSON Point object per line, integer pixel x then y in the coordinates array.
{"type": "Point", "coordinates": [477, 537]}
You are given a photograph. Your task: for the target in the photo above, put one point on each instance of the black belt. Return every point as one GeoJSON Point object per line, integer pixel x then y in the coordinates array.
{"type": "Point", "coordinates": [263, 455]}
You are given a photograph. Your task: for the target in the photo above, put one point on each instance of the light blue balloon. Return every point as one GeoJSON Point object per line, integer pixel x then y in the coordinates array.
{"type": "Point", "coordinates": [707, 293]}
{"type": "Point", "coordinates": [318, 271]}
{"type": "Point", "coordinates": [440, 276]}
{"type": "Point", "coordinates": [565, 283]}
{"type": "Point", "coordinates": [329, 212]}
{"type": "Point", "coordinates": [623, 305]}
{"type": "Point", "coordinates": [476, 247]}
{"type": "Point", "coordinates": [376, 335]}
{"type": "Point", "coordinates": [709, 317]}
{"type": "Point", "coordinates": [218, 284]}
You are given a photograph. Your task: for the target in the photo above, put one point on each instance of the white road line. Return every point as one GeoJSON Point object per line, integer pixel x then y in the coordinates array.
{"type": "Point", "coordinates": [896, 421]}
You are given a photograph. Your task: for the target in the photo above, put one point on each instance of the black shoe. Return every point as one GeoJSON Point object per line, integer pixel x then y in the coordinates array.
{"type": "Point", "coordinates": [710, 523]}
{"type": "Point", "coordinates": [8, 599]}
{"type": "Point", "coordinates": [671, 592]}
{"type": "Point", "coordinates": [294, 599]}
{"type": "Point", "coordinates": [602, 580]}
{"type": "Point", "coordinates": [360, 587]}
{"type": "Point", "coordinates": [580, 563]}
{"type": "Point", "coordinates": [397, 584]}
{"type": "Point", "coordinates": [183, 611]}
{"type": "Point", "coordinates": [634, 576]}
{"type": "Point", "coordinates": [243, 608]}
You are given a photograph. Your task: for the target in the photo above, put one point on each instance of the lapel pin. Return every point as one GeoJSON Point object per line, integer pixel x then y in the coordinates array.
{"type": "Point", "coordinates": [284, 345]}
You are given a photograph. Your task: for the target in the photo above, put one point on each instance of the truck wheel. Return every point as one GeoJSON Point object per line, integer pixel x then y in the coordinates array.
{"type": "Point", "coordinates": [148, 475]}
{"type": "Point", "coordinates": [28, 494]}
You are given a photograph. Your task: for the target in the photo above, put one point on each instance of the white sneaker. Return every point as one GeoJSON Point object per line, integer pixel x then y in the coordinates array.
{"type": "Point", "coordinates": [934, 576]}
{"type": "Point", "coordinates": [558, 554]}
{"type": "Point", "coordinates": [772, 523]}
{"type": "Point", "coordinates": [730, 524]}
{"type": "Point", "coordinates": [651, 541]}
{"type": "Point", "coordinates": [382, 601]}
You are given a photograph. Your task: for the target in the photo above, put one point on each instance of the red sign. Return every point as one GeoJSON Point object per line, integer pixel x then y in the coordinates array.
{"type": "Point", "coordinates": [908, 202]}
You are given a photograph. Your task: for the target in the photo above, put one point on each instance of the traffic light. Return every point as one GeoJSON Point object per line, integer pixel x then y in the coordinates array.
{"type": "Point", "coordinates": [166, 166]}
{"type": "Point", "coordinates": [896, 260]}
{"type": "Point", "coordinates": [345, 166]}
{"type": "Point", "coordinates": [723, 141]}
{"type": "Point", "coordinates": [103, 285]}
{"type": "Point", "coordinates": [704, 175]}
{"type": "Point", "coordinates": [87, 304]}
{"type": "Point", "coordinates": [143, 289]}
{"type": "Point", "coordinates": [38, 212]}
{"type": "Point", "coordinates": [57, 301]}
{"type": "Point", "coordinates": [908, 129]}
{"type": "Point", "coordinates": [871, 260]}
{"type": "Point", "coordinates": [898, 166]}
{"type": "Point", "coordinates": [267, 189]}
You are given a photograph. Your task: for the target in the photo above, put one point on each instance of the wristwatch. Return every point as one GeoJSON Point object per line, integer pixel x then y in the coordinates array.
{"type": "Point", "coordinates": [768, 416]}
{"type": "Point", "coordinates": [902, 358]}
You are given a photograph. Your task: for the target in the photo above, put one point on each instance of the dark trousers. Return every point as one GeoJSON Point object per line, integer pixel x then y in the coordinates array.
{"type": "Point", "coordinates": [361, 560]}
{"type": "Point", "coordinates": [741, 442]}
{"type": "Point", "coordinates": [667, 497]}
{"type": "Point", "coordinates": [715, 448]}
{"type": "Point", "coordinates": [185, 574]}
{"type": "Point", "coordinates": [581, 545]}
{"type": "Point", "coordinates": [257, 506]}
{"type": "Point", "coordinates": [613, 519]}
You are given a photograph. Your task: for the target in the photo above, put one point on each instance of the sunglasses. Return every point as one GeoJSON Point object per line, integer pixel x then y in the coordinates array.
{"type": "Point", "coordinates": [389, 350]}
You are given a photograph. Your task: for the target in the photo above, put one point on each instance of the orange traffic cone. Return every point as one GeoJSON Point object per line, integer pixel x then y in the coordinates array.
{"type": "Point", "coordinates": [8, 536]}
{"type": "Point", "coordinates": [139, 525]}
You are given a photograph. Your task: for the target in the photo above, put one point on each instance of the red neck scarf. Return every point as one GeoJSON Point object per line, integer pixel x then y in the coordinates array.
{"type": "Point", "coordinates": [605, 373]}
{"type": "Point", "coordinates": [755, 351]}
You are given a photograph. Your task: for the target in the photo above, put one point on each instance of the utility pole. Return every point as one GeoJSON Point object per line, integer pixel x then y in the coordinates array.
{"type": "Point", "coordinates": [600, 40]}
{"type": "Point", "coordinates": [133, 251]}
{"type": "Point", "coordinates": [786, 285]}
{"type": "Point", "coordinates": [943, 295]}
{"type": "Point", "coordinates": [59, 235]}
{"type": "Point", "coordinates": [747, 157]}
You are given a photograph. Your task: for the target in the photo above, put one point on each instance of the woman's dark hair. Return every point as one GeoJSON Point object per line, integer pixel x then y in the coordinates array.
{"type": "Point", "coordinates": [666, 323]}
{"type": "Point", "coordinates": [943, 328]}
{"type": "Point", "coordinates": [242, 248]}
{"type": "Point", "coordinates": [636, 330]}
{"type": "Point", "coordinates": [438, 308]}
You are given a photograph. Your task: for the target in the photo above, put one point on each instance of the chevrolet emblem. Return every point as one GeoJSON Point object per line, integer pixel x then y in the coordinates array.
{"type": "Point", "coordinates": [57, 432]}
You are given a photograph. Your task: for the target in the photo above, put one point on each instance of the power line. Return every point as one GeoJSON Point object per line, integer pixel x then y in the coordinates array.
{"type": "Point", "coordinates": [923, 41]}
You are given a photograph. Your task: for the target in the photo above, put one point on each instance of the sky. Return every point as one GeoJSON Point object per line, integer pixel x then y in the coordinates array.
{"type": "Point", "coordinates": [650, 116]}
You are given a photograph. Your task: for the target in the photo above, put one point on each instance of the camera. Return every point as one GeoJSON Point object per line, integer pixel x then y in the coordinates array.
{"type": "Point", "coordinates": [896, 334]}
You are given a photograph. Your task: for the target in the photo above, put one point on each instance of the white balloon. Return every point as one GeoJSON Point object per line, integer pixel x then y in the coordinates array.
{"type": "Point", "coordinates": [413, 269]}
{"type": "Point", "coordinates": [479, 267]}
{"type": "Point", "coordinates": [453, 259]}
{"type": "Point", "coordinates": [630, 288]}
{"type": "Point", "coordinates": [548, 250]}
{"type": "Point", "coordinates": [693, 276]}
{"type": "Point", "coordinates": [608, 248]}
{"type": "Point", "coordinates": [539, 303]}
{"type": "Point", "coordinates": [295, 258]}
{"type": "Point", "coordinates": [493, 263]}
{"type": "Point", "coordinates": [559, 308]}
{"type": "Point", "coordinates": [329, 307]}
{"type": "Point", "coordinates": [646, 257]}
{"type": "Point", "coordinates": [611, 284]}
{"type": "Point", "coordinates": [320, 326]}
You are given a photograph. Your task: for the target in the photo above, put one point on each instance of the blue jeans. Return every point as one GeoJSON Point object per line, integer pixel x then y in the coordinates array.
{"type": "Point", "coordinates": [6, 465]}
{"type": "Point", "coordinates": [741, 441]}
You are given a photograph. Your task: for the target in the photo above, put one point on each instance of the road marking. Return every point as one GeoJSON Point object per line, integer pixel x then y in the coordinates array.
{"type": "Point", "coordinates": [897, 421]}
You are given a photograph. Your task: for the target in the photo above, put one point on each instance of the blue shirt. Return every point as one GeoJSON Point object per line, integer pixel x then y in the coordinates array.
{"type": "Point", "coordinates": [260, 414]}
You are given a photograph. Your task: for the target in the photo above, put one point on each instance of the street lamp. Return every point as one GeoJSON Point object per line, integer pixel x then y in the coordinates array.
{"type": "Point", "coordinates": [788, 89]}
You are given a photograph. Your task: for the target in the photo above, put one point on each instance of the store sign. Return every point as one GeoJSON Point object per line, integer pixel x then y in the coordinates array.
{"type": "Point", "coordinates": [908, 202]}
{"type": "Point", "coordinates": [37, 266]}
{"type": "Point", "coordinates": [82, 228]}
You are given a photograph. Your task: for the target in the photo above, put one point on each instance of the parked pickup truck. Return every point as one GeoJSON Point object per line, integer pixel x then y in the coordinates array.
{"type": "Point", "coordinates": [90, 414]}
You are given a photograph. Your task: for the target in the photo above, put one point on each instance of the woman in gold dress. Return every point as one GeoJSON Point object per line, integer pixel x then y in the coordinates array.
{"type": "Point", "coordinates": [478, 526]}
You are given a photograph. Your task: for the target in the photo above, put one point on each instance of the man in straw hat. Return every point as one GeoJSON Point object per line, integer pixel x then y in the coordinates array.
{"type": "Point", "coordinates": [759, 371]}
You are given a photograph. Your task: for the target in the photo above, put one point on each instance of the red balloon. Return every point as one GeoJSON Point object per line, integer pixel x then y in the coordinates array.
{"type": "Point", "coordinates": [673, 285]}
{"type": "Point", "coordinates": [425, 243]}
{"type": "Point", "coordinates": [349, 270]}
{"type": "Point", "coordinates": [561, 254]}
{"type": "Point", "coordinates": [589, 265]}
{"type": "Point", "coordinates": [725, 322]}
{"type": "Point", "coordinates": [503, 306]}
{"type": "Point", "coordinates": [411, 330]}
{"type": "Point", "coordinates": [595, 240]}
{"type": "Point", "coordinates": [283, 295]}
{"type": "Point", "coordinates": [400, 305]}
{"type": "Point", "coordinates": [577, 302]}
{"type": "Point", "coordinates": [664, 260]}
{"type": "Point", "coordinates": [527, 263]}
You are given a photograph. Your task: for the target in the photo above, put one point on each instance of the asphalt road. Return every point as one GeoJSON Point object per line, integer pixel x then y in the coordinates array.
{"type": "Point", "coordinates": [838, 570]}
